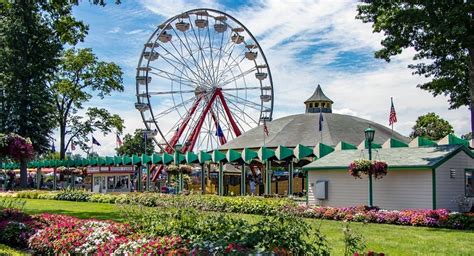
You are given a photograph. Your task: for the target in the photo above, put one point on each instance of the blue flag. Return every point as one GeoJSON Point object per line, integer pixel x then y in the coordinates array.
{"type": "Point", "coordinates": [219, 132]}
{"type": "Point", "coordinates": [94, 141]}
{"type": "Point", "coordinates": [321, 119]}
{"type": "Point", "coordinates": [53, 149]}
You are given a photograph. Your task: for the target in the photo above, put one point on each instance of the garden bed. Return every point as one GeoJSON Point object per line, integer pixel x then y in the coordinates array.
{"type": "Point", "coordinates": [267, 207]}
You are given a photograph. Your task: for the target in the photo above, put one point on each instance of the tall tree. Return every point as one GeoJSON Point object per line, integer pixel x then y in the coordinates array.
{"type": "Point", "coordinates": [80, 74]}
{"type": "Point", "coordinates": [442, 34]}
{"type": "Point", "coordinates": [432, 127]}
{"type": "Point", "coordinates": [32, 35]}
{"type": "Point", "coordinates": [135, 144]}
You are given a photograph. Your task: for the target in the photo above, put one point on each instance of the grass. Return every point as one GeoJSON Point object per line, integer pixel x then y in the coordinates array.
{"type": "Point", "coordinates": [390, 239]}
{"type": "Point", "coordinates": [7, 250]}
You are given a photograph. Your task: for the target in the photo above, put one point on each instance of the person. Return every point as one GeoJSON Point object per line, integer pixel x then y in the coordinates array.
{"type": "Point", "coordinates": [252, 187]}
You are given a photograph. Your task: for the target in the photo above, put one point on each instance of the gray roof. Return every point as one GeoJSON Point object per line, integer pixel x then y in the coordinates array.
{"type": "Point", "coordinates": [394, 157]}
{"type": "Point", "coordinates": [303, 129]}
{"type": "Point", "coordinates": [318, 95]}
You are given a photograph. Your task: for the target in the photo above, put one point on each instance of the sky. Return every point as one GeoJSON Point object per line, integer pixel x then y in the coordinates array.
{"type": "Point", "coordinates": [306, 43]}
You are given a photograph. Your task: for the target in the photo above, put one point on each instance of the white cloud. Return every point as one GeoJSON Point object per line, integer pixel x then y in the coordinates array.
{"type": "Point", "coordinates": [305, 43]}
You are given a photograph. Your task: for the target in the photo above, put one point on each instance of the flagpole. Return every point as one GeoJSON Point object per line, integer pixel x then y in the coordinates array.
{"type": "Point", "coordinates": [391, 106]}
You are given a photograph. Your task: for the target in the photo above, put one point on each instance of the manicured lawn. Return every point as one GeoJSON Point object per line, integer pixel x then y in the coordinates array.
{"type": "Point", "coordinates": [391, 239]}
{"type": "Point", "coordinates": [7, 250]}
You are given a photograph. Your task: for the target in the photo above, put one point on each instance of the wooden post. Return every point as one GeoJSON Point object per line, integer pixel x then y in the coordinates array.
{"type": "Point", "coordinates": [268, 178]}
{"type": "Point", "coordinates": [220, 184]}
{"type": "Point", "coordinates": [148, 178]}
{"type": "Point", "coordinates": [55, 182]}
{"type": "Point", "coordinates": [38, 178]}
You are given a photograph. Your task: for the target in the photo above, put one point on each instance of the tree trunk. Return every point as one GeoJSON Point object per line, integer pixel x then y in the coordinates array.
{"type": "Point", "coordinates": [471, 91]}
{"type": "Point", "coordinates": [23, 174]}
{"type": "Point", "coordinates": [62, 141]}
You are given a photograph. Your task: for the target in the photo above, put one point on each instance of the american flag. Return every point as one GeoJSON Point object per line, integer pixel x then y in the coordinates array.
{"type": "Point", "coordinates": [265, 128]}
{"type": "Point", "coordinates": [118, 140]}
{"type": "Point", "coordinates": [393, 115]}
{"type": "Point", "coordinates": [73, 146]}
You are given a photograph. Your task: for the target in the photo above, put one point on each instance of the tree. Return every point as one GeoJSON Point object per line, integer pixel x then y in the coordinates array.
{"type": "Point", "coordinates": [442, 34]}
{"type": "Point", "coordinates": [81, 73]}
{"type": "Point", "coordinates": [432, 127]}
{"type": "Point", "coordinates": [135, 144]}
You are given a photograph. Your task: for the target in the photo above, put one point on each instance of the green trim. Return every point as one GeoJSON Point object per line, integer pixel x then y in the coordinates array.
{"type": "Point", "coordinates": [465, 181]}
{"type": "Point", "coordinates": [342, 145]}
{"type": "Point", "coordinates": [302, 151]}
{"type": "Point", "coordinates": [233, 156]}
{"type": "Point", "coordinates": [218, 156]}
{"type": "Point", "coordinates": [433, 182]}
{"type": "Point", "coordinates": [204, 157]}
{"type": "Point", "coordinates": [283, 153]}
{"type": "Point", "coordinates": [191, 157]}
{"type": "Point", "coordinates": [450, 155]}
{"type": "Point", "coordinates": [156, 159]}
{"type": "Point", "coordinates": [166, 158]}
{"type": "Point", "coordinates": [265, 154]}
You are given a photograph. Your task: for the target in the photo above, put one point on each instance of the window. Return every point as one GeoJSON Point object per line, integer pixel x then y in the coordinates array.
{"type": "Point", "coordinates": [469, 179]}
{"type": "Point", "coordinates": [452, 173]}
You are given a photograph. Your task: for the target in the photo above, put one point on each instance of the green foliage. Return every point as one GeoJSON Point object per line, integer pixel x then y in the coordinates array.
{"type": "Point", "coordinates": [275, 233]}
{"type": "Point", "coordinates": [441, 32]}
{"type": "Point", "coordinates": [11, 203]}
{"type": "Point", "coordinates": [135, 144]}
{"type": "Point", "coordinates": [73, 195]}
{"type": "Point", "coordinates": [81, 73]}
{"type": "Point", "coordinates": [353, 242]}
{"type": "Point", "coordinates": [432, 127]}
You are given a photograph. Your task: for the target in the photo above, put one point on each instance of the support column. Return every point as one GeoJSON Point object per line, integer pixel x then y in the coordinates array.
{"type": "Point", "coordinates": [220, 183]}
{"type": "Point", "coordinates": [55, 182]}
{"type": "Point", "coordinates": [203, 180]}
{"type": "Point", "coordinates": [73, 181]}
{"type": "Point", "coordinates": [290, 177]}
{"type": "Point", "coordinates": [268, 178]}
{"type": "Point", "coordinates": [139, 178]}
{"type": "Point", "coordinates": [148, 178]}
{"type": "Point", "coordinates": [180, 182]}
{"type": "Point", "coordinates": [38, 178]}
{"type": "Point", "coordinates": [243, 182]}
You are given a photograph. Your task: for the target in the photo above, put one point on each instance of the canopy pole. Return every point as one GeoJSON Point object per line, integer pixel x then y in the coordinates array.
{"type": "Point", "coordinates": [220, 189]}
{"type": "Point", "coordinates": [203, 179]}
{"type": "Point", "coordinates": [148, 178]}
{"type": "Point", "coordinates": [268, 178]}
{"type": "Point", "coordinates": [38, 178]}
{"type": "Point", "coordinates": [243, 182]}
{"type": "Point", "coordinates": [290, 177]}
{"type": "Point", "coordinates": [139, 178]}
{"type": "Point", "coordinates": [55, 183]}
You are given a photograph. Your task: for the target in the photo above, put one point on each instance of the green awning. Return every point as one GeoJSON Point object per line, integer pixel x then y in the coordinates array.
{"type": "Point", "coordinates": [109, 160]}
{"type": "Point", "coordinates": [365, 145]}
{"type": "Point", "coordinates": [46, 164]}
{"type": "Point", "coordinates": [452, 139]}
{"type": "Point", "coordinates": [101, 161]}
{"type": "Point", "coordinates": [283, 153]}
{"type": "Point", "coordinates": [345, 146]}
{"type": "Point", "coordinates": [422, 142]}
{"type": "Point", "coordinates": [233, 156]}
{"type": "Point", "coordinates": [248, 155]}
{"type": "Point", "coordinates": [126, 160]}
{"type": "Point", "coordinates": [156, 159]}
{"type": "Point", "coordinates": [302, 151]}
{"type": "Point", "coordinates": [265, 153]}
{"type": "Point", "coordinates": [85, 162]}
{"type": "Point", "coordinates": [321, 150]}
{"type": "Point", "coordinates": [77, 162]}
{"type": "Point", "coordinates": [191, 157]}
{"type": "Point", "coordinates": [393, 143]}
{"type": "Point", "coordinates": [146, 159]}
{"type": "Point", "coordinates": [166, 158]}
{"type": "Point", "coordinates": [218, 156]}
{"type": "Point", "coordinates": [31, 164]}
{"type": "Point", "coordinates": [118, 160]}
{"type": "Point", "coordinates": [136, 159]}
{"type": "Point", "coordinates": [203, 157]}
{"type": "Point", "coordinates": [178, 157]}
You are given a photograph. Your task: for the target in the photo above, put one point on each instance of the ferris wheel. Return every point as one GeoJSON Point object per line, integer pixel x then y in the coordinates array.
{"type": "Point", "coordinates": [202, 80]}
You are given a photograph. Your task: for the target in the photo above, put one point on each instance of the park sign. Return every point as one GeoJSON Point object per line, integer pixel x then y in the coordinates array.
{"type": "Point", "coordinates": [110, 169]}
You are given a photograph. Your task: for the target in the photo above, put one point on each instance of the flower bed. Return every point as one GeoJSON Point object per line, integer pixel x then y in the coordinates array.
{"type": "Point", "coordinates": [267, 206]}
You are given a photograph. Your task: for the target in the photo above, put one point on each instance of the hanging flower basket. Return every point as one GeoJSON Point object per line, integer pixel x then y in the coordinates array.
{"type": "Point", "coordinates": [359, 167]}
{"type": "Point", "coordinates": [379, 169]}
{"type": "Point", "coordinates": [185, 169]}
{"type": "Point", "coordinates": [172, 169]}
{"type": "Point", "coordinates": [16, 147]}
{"type": "Point", "coordinates": [362, 166]}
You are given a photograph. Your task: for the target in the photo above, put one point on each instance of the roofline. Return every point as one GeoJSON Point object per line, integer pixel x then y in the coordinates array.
{"type": "Point", "coordinates": [393, 168]}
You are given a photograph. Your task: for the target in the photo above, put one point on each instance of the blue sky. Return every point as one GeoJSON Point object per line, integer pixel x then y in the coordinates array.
{"type": "Point", "coordinates": [306, 43]}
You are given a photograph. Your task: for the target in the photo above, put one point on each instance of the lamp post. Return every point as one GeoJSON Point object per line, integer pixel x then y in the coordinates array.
{"type": "Point", "coordinates": [369, 136]}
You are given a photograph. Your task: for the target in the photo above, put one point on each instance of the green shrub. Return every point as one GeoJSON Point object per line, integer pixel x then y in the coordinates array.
{"type": "Point", "coordinates": [48, 196]}
{"type": "Point", "coordinates": [217, 231]}
{"type": "Point", "coordinates": [30, 194]}
{"type": "Point", "coordinates": [73, 195]}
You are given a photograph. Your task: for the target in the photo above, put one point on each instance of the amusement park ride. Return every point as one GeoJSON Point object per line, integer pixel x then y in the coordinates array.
{"type": "Point", "coordinates": [202, 80]}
